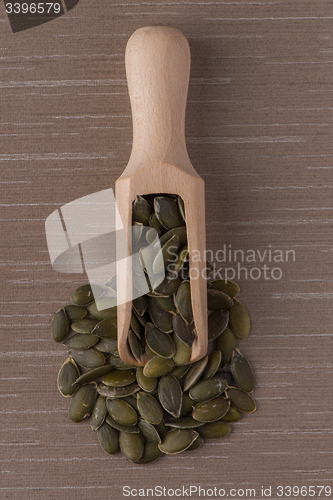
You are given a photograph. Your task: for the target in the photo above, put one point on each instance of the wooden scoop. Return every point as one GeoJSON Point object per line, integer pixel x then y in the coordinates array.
{"type": "Point", "coordinates": [157, 68]}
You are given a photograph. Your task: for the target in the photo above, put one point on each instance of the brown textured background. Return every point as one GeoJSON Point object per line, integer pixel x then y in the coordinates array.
{"type": "Point", "coordinates": [259, 131]}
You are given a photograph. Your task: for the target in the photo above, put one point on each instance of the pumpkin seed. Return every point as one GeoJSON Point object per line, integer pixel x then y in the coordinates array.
{"type": "Point", "coordinates": [119, 378]}
{"type": "Point", "coordinates": [185, 423]}
{"type": "Point", "coordinates": [205, 390]}
{"type": "Point", "coordinates": [217, 323]}
{"type": "Point", "coordinates": [183, 330]}
{"type": "Point", "coordinates": [168, 287]}
{"type": "Point", "coordinates": [194, 373]}
{"type": "Point", "coordinates": [93, 374]}
{"type": "Point", "coordinates": [170, 395]}
{"type": "Point", "coordinates": [166, 255]}
{"type": "Point", "coordinates": [131, 445]}
{"type": "Point", "coordinates": [239, 320]}
{"type": "Point", "coordinates": [147, 257]}
{"type": "Point", "coordinates": [225, 286]}
{"type": "Point", "coordinates": [226, 343]}
{"type": "Point", "coordinates": [159, 342]}
{"type": "Point", "coordinates": [179, 371]}
{"type": "Point", "coordinates": [241, 371]}
{"type": "Point", "coordinates": [214, 430]}
{"type": "Point", "coordinates": [84, 325]}
{"type": "Point", "coordinates": [232, 415]}
{"type": "Point", "coordinates": [59, 325]}
{"type": "Point", "coordinates": [132, 429]}
{"type": "Point", "coordinates": [81, 341]}
{"type": "Point", "coordinates": [135, 326]}
{"type": "Point", "coordinates": [149, 408]}
{"type": "Point", "coordinates": [175, 267]}
{"type": "Point", "coordinates": [196, 444]}
{"type": "Point", "coordinates": [107, 345]}
{"type": "Point", "coordinates": [177, 440]}
{"type": "Point", "coordinates": [241, 400]}
{"type": "Point", "coordinates": [151, 453]}
{"type": "Point", "coordinates": [117, 362]}
{"type": "Point", "coordinates": [137, 230]}
{"type": "Point", "coordinates": [89, 358]}
{"type": "Point", "coordinates": [217, 300]}
{"type": "Point", "coordinates": [160, 317]}
{"type": "Point", "coordinates": [140, 304]}
{"type": "Point", "coordinates": [214, 361]}
{"type": "Point", "coordinates": [106, 329]}
{"type": "Point", "coordinates": [108, 438]}
{"type": "Point", "coordinates": [167, 212]}
{"type": "Point", "coordinates": [154, 222]}
{"type": "Point", "coordinates": [161, 428]}
{"type": "Point", "coordinates": [180, 232]}
{"type": "Point", "coordinates": [117, 392]}
{"type": "Point", "coordinates": [108, 309]}
{"type": "Point", "coordinates": [121, 412]}
{"type": "Point", "coordinates": [209, 411]}
{"type": "Point", "coordinates": [183, 301]}
{"type": "Point", "coordinates": [183, 352]}
{"type": "Point", "coordinates": [67, 375]}
{"type": "Point", "coordinates": [181, 207]}
{"type": "Point", "coordinates": [148, 431]}
{"type": "Point", "coordinates": [141, 210]}
{"type": "Point", "coordinates": [98, 414]}
{"type": "Point", "coordinates": [166, 303]}
{"type": "Point", "coordinates": [82, 296]}
{"type": "Point", "coordinates": [75, 312]}
{"type": "Point", "coordinates": [135, 346]}
{"type": "Point", "coordinates": [187, 405]}
{"type": "Point", "coordinates": [147, 384]}
{"type": "Point", "coordinates": [157, 366]}
{"type": "Point", "coordinates": [82, 403]}
{"type": "Point", "coordinates": [131, 400]}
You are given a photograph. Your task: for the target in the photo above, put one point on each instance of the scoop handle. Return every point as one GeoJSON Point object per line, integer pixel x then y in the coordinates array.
{"type": "Point", "coordinates": [158, 68]}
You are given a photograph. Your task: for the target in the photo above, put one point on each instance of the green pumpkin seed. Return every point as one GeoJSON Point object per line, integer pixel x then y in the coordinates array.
{"type": "Point", "coordinates": [141, 210]}
{"type": "Point", "coordinates": [241, 400]}
{"type": "Point", "coordinates": [108, 439]}
{"type": "Point", "coordinates": [118, 363]}
{"type": "Point", "coordinates": [131, 446]}
{"type": "Point", "coordinates": [157, 366]}
{"type": "Point", "coordinates": [226, 343]}
{"type": "Point", "coordinates": [121, 412]}
{"type": "Point", "coordinates": [210, 268]}
{"type": "Point", "coordinates": [241, 371]}
{"type": "Point", "coordinates": [183, 330]}
{"type": "Point", "coordinates": [214, 361]}
{"type": "Point", "coordinates": [185, 423]}
{"type": "Point", "coordinates": [183, 353]}
{"type": "Point", "coordinates": [167, 212]}
{"type": "Point", "coordinates": [82, 403]}
{"type": "Point", "coordinates": [106, 329]}
{"type": "Point", "coordinates": [148, 351]}
{"type": "Point", "coordinates": [147, 384]}
{"type": "Point", "coordinates": [166, 303]}
{"type": "Point", "coordinates": [217, 300]}
{"type": "Point", "coordinates": [209, 411]}
{"type": "Point", "coordinates": [67, 375]}
{"type": "Point", "coordinates": [140, 305]}
{"type": "Point", "coordinates": [98, 414]}
{"type": "Point", "coordinates": [214, 430]}
{"type": "Point", "coordinates": [117, 392]}
{"type": "Point", "coordinates": [137, 230]}
{"type": "Point", "coordinates": [177, 440]}
{"type": "Point", "coordinates": [194, 373]}
{"type": "Point", "coordinates": [84, 325]}
{"type": "Point", "coordinates": [239, 320]}
{"type": "Point", "coordinates": [205, 390]}
{"type": "Point", "coordinates": [152, 236]}
{"type": "Point", "coordinates": [159, 342]}
{"type": "Point", "coordinates": [181, 207]}
{"type": "Point", "coordinates": [168, 287]}
{"type": "Point", "coordinates": [108, 309]}
{"type": "Point", "coordinates": [107, 345]}
{"type": "Point", "coordinates": [93, 374]}
{"type": "Point", "coordinates": [89, 358]}
{"type": "Point", "coordinates": [59, 326]}
{"type": "Point", "coordinates": [161, 318]}
{"type": "Point", "coordinates": [166, 255]}
{"type": "Point", "coordinates": [183, 301]}
{"type": "Point", "coordinates": [81, 341]}
{"type": "Point", "coordinates": [179, 371]}
{"type": "Point", "coordinates": [131, 429]}
{"type": "Point", "coordinates": [135, 345]}
{"type": "Point", "coordinates": [175, 267]}
{"type": "Point", "coordinates": [187, 405]}
{"type": "Point", "coordinates": [232, 415]}
{"type": "Point", "coordinates": [149, 408]}
{"type": "Point", "coordinates": [148, 431]}
{"type": "Point", "coordinates": [225, 286]}
{"type": "Point", "coordinates": [82, 296]}
{"type": "Point", "coordinates": [161, 428]}
{"type": "Point", "coordinates": [151, 453]}
{"type": "Point", "coordinates": [196, 444]}
{"type": "Point", "coordinates": [141, 319]}
{"type": "Point", "coordinates": [217, 323]}
{"type": "Point", "coordinates": [75, 312]}
{"type": "Point", "coordinates": [131, 400]}
{"type": "Point", "coordinates": [119, 378]}
{"type": "Point", "coordinates": [147, 257]}
{"type": "Point", "coordinates": [170, 395]}
{"type": "Point", "coordinates": [180, 232]}
{"type": "Point", "coordinates": [154, 223]}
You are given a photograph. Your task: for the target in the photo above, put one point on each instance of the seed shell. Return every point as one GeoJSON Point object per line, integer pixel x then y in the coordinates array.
{"type": "Point", "coordinates": [82, 403]}
{"type": "Point", "coordinates": [239, 320]}
{"type": "Point", "coordinates": [242, 372]}
{"type": "Point", "coordinates": [214, 430]}
{"type": "Point", "coordinates": [149, 408]}
{"type": "Point", "coordinates": [177, 440]}
{"type": "Point", "coordinates": [59, 325]}
{"type": "Point", "coordinates": [67, 375]}
{"type": "Point", "coordinates": [108, 438]}
{"type": "Point", "coordinates": [170, 395]}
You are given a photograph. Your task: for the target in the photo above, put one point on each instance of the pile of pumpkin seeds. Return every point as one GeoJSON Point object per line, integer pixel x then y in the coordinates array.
{"type": "Point", "coordinates": [166, 406]}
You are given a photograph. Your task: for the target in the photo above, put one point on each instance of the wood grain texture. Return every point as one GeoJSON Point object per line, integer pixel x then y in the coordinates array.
{"type": "Point", "coordinates": [259, 132]}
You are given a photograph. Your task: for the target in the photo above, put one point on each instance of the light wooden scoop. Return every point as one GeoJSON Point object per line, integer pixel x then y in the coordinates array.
{"type": "Point", "coordinates": [157, 68]}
